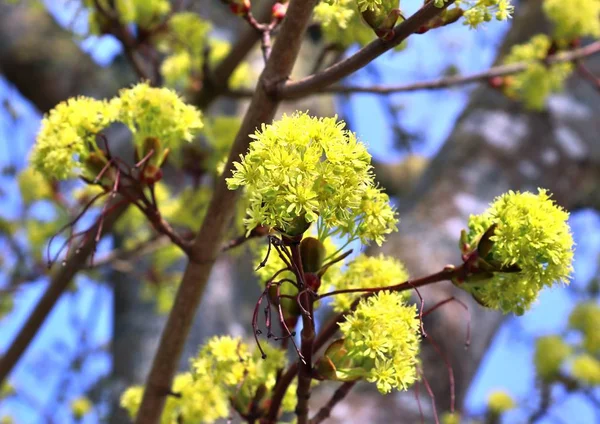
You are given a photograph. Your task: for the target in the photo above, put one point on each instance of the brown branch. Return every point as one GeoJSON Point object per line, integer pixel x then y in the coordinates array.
{"type": "Point", "coordinates": [118, 257]}
{"type": "Point", "coordinates": [57, 286]}
{"type": "Point", "coordinates": [216, 83]}
{"type": "Point", "coordinates": [337, 397]}
{"type": "Point", "coordinates": [307, 339]}
{"type": "Point", "coordinates": [453, 81]}
{"type": "Point", "coordinates": [209, 240]}
{"type": "Point", "coordinates": [363, 57]}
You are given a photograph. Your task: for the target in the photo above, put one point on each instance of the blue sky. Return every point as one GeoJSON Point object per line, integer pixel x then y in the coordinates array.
{"type": "Point", "coordinates": [508, 363]}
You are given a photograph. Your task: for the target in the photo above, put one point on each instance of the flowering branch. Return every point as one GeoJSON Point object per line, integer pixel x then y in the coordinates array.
{"type": "Point", "coordinates": [363, 57]}
{"type": "Point", "coordinates": [332, 326]}
{"type": "Point", "coordinates": [215, 83]}
{"type": "Point", "coordinates": [207, 244]}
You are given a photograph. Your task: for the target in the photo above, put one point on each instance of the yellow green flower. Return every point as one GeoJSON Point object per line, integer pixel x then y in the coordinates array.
{"type": "Point", "coordinates": [586, 369]}
{"type": "Point", "coordinates": [302, 169]}
{"type": "Point", "coordinates": [80, 407]}
{"type": "Point", "coordinates": [33, 186]}
{"type": "Point", "coordinates": [499, 401]}
{"type": "Point", "coordinates": [550, 353]}
{"type": "Point", "coordinates": [572, 20]}
{"type": "Point", "coordinates": [382, 340]}
{"type": "Point", "coordinates": [531, 233]}
{"type": "Point", "coordinates": [539, 80]}
{"type": "Point", "coordinates": [586, 318]}
{"type": "Point", "coordinates": [68, 136]}
{"type": "Point", "coordinates": [367, 272]}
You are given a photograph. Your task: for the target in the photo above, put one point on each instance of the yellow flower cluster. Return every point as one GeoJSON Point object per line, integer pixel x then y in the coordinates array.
{"type": "Point", "coordinates": [225, 372]}
{"type": "Point", "coordinates": [480, 11]}
{"type": "Point", "coordinates": [68, 134]}
{"type": "Point", "coordinates": [539, 80]}
{"type": "Point", "coordinates": [586, 318]}
{"type": "Point", "coordinates": [531, 233]}
{"type": "Point", "coordinates": [550, 353]}
{"type": "Point", "coordinates": [341, 23]}
{"type": "Point", "coordinates": [499, 401]}
{"type": "Point", "coordinates": [80, 407]}
{"type": "Point", "coordinates": [302, 169]}
{"type": "Point", "coordinates": [586, 369]}
{"type": "Point", "coordinates": [382, 339]}
{"type": "Point", "coordinates": [144, 13]}
{"type": "Point", "coordinates": [367, 272]}
{"type": "Point", "coordinates": [33, 186]}
{"type": "Point", "coordinates": [572, 20]}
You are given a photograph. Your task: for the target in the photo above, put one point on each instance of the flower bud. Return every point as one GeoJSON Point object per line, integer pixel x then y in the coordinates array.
{"type": "Point", "coordinates": [278, 11]}
{"type": "Point", "coordinates": [297, 226]}
{"type": "Point", "coordinates": [312, 252]}
{"type": "Point", "coordinates": [152, 174]}
{"type": "Point", "coordinates": [238, 7]}
{"type": "Point", "coordinates": [334, 363]}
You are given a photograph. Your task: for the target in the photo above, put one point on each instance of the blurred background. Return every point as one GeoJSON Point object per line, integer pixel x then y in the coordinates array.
{"type": "Point", "coordinates": [441, 154]}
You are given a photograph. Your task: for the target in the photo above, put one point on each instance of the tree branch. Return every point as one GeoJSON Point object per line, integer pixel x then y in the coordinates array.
{"type": "Point", "coordinates": [364, 56]}
{"type": "Point", "coordinates": [216, 83]}
{"type": "Point", "coordinates": [337, 397]}
{"type": "Point", "coordinates": [57, 286]}
{"type": "Point", "coordinates": [209, 240]}
{"type": "Point", "coordinates": [438, 83]}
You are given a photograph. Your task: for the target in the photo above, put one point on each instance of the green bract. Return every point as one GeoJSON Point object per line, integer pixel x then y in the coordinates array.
{"type": "Point", "coordinates": [302, 169]}
{"type": "Point", "coordinates": [367, 272]}
{"type": "Point", "coordinates": [382, 338]}
{"type": "Point", "coordinates": [275, 263]}
{"type": "Point", "coordinates": [532, 234]}
{"type": "Point", "coordinates": [68, 135]}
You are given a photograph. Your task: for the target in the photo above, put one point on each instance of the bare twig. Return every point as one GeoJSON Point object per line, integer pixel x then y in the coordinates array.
{"type": "Point", "coordinates": [447, 82]}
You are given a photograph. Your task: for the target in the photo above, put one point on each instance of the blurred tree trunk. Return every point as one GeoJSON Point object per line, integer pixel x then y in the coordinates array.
{"type": "Point", "coordinates": [495, 146]}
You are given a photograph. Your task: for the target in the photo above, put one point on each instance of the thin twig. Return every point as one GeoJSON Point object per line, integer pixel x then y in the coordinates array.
{"type": "Point", "coordinates": [447, 82]}
{"type": "Point", "coordinates": [337, 397]}
{"type": "Point", "coordinates": [363, 57]}
{"type": "Point", "coordinates": [57, 286]}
